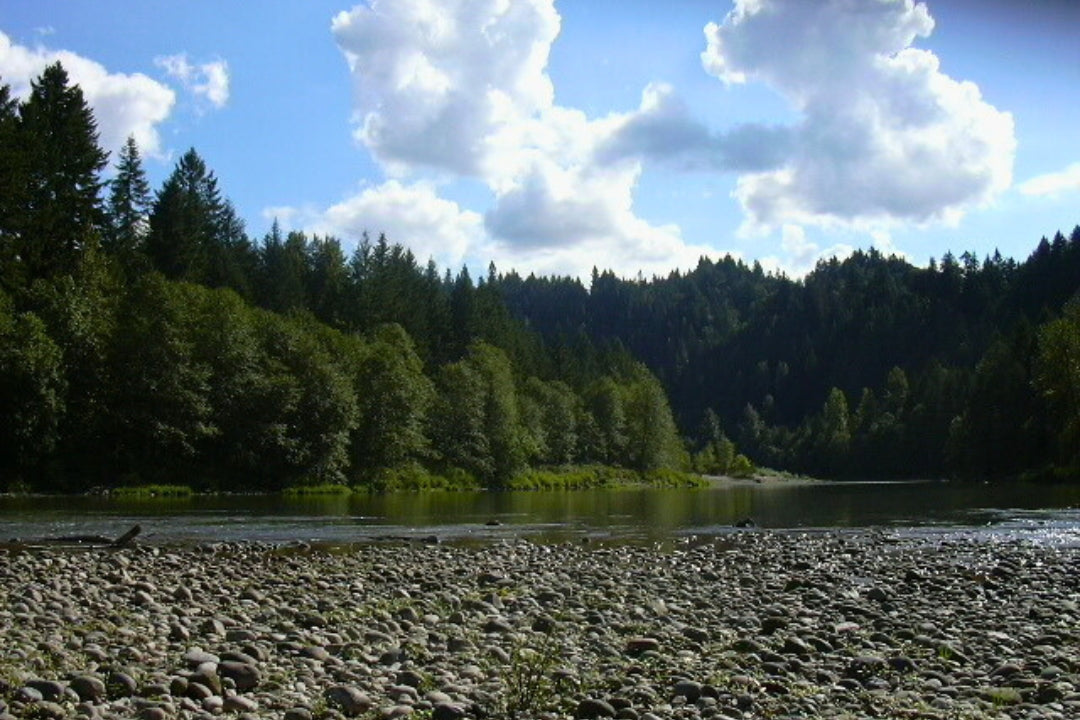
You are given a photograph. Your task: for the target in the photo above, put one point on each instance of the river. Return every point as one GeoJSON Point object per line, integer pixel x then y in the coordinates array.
{"type": "Point", "coordinates": [1041, 513]}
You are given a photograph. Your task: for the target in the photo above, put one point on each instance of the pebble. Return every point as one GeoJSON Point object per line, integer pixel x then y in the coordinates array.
{"type": "Point", "coordinates": [823, 625]}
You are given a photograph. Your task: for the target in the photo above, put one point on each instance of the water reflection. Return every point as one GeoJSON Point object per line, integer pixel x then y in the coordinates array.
{"type": "Point", "coordinates": [627, 513]}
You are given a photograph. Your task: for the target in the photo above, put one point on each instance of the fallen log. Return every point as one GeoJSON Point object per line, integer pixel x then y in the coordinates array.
{"type": "Point", "coordinates": [90, 541]}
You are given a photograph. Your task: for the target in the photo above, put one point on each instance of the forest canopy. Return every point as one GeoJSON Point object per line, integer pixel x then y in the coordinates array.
{"type": "Point", "coordinates": [146, 337]}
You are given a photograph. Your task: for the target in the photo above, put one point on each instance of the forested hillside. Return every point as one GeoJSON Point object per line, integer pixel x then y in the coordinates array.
{"type": "Point", "coordinates": [145, 337]}
{"type": "Point", "coordinates": [869, 367]}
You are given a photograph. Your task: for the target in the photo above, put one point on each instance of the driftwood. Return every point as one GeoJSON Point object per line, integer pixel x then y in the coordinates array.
{"type": "Point", "coordinates": [89, 541]}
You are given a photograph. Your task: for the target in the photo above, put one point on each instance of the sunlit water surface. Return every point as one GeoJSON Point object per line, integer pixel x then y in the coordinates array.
{"type": "Point", "coordinates": [995, 513]}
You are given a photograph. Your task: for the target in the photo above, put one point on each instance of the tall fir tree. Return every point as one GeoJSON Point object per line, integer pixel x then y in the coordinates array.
{"type": "Point", "coordinates": [12, 190]}
{"type": "Point", "coordinates": [129, 205]}
{"type": "Point", "coordinates": [63, 181]}
{"type": "Point", "coordinates": [184, 221]}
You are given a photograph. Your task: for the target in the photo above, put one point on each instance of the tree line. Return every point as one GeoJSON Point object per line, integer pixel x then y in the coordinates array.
{"type": "Point", "coordinates": [145, 338]}
{"type": "Point", "coordinates": [868, 367]}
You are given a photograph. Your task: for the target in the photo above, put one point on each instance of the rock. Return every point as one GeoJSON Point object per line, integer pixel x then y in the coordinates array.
{"type": "Point", "coordinates": [639, 645]}
{"type": "Point", "coordinates": [497, 625]}
{"type": "Point", "coordinates": [688, 689]}
{"type": "Point", "coordinates": [864, 667]}
{"type": "Point", "coordinates": [152, 712]}
{"type": "Point", "coordinates": [244, 675]}
{"type": "Point", "coordinates": [297, 713]}
{"type": "Point", "coordinates": [50, 690]}
{"type": "Point", "coordinates": [447, 711]}
{"type": "Point", "coordinates": [120, 685]}
{"type": "Point", "coordinates": [47, 710]}
{"type": "Point", "coordinates": [591, 708]}
{"type": "Point", "coordinates": [902, 664]}
{"type": "Point", "coordinates": [196, 657]}
{"type": "Point", "coordinates": [315, 653]}
{"type": "Point", "coordinates": [348, 699]}
{"type": "Point", "coordinates": [409, 677]}
{"type": "Point", "coordinates": [88, 687]}
{"type": "Point", "coordinates": [239, 704]}
{"type": "Point", "coordinates": [206, 677]}
{"type": "Point", "coordinates": [27, 694]}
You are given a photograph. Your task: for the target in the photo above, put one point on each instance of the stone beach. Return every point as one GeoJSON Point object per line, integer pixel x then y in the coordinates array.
{"type": "Point", "coordinates": [751, 625]}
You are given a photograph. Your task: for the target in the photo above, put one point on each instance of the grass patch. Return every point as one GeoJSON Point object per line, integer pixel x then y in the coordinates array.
{"type": "Point", "coordinates": [416, 478]}
{"type": "Point", "coordinates": [673, 479]}
{"type": "Point", "coordinates": [570, 478]}
{"type": "Point", "coordinates": [599, 476]}
{"type": "Point", "coordinates": [322, 490]}
{"type": "Point", "coordinates": [152, 491]}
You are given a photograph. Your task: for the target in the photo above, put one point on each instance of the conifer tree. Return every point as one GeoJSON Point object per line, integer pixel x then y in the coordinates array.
{"type": "Point", "coordinates": [184, 220]}
{"type": "Point", "coordinates": [129, 204]}
{"type": "Point", "coordinates": [63, 183]}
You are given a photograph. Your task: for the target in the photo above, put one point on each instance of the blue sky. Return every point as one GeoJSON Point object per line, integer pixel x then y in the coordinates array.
{"type": "Point", "coordinates": [627, 134]}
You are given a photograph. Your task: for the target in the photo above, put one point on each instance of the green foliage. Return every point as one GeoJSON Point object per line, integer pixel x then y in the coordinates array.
{"type": "Point", "coordinates": [151, 491]}
{"type": "Point", "coordinates": [394, 397]}
{"type": "Point", "coordinates": [58, 136]}
{"type": "Point", "coordinates": [652, 437]}
{"type": "Point", "coordinates": [1057, 379]}
{"type": "Point", "coordinates": [741, 467]}
{"type": "Point", "coordinates": [32, 393]}
{"type": "Point", "coordinates": [416, 478]}
{"type": "Point", "coordinates": [377, 371]}
{"type": "Point", "coordinates": [570, 478]}
{"type": "Point", "coordinates": [333, 489]}
{"type": "Point", "coordinates": [128, 207]}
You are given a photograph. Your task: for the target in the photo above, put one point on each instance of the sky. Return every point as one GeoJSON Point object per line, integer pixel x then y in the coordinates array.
{"type": "Point", "coordinates": [553, 137]}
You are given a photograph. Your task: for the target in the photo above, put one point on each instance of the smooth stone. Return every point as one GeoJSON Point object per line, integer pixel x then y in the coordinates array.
{"type": "Point", "coordinates": [348, 699]}
{"type": "Point", "coordinates": [120, 685]}
{"type": "Point", "coordinates": [447, 711]}
{"type": "Point", "coordinates": [639, 645]}
{"type": "Point", "coordinates": [239, 704]}
{"type": "Point", "coordinates": [591, 708]}
{"type": "Point", "coordinates": [244, 675]}
{"type": "Point", "coordinates": [50, 690]}
{"type": "Point", "coordinates": [688, 689]}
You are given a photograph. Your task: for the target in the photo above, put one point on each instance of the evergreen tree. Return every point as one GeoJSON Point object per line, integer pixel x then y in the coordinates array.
{"type": "Point", "coordinates": [184, 221]}
{"type": "Point", "coordinates": [13, 183]}
{"type": "Point", "coordinates": [63, 184]}
{"type": "Point", "coordinates": [129, 205]}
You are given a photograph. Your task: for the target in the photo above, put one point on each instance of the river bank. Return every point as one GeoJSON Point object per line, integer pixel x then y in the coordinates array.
{"type": "Point", "coordinates": [756, 625]}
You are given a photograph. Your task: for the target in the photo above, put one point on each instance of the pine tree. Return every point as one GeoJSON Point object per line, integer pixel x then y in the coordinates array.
{"type": "Point", "coordinates": [12, 190]}
{"type": "Point", "coordinates": [129, 204]}
{"type": "Point", "coordinates": [63, 186]}
{"type": "Point", "coordinates": [184, 221]}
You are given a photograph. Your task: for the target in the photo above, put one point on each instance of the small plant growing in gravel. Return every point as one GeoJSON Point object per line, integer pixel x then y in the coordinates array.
{"type": "Point", "coordinates": [529, 686]}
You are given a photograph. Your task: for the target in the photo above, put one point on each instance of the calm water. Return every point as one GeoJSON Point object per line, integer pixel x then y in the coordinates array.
{"type": "Point", "coordinates": [1041, 513]}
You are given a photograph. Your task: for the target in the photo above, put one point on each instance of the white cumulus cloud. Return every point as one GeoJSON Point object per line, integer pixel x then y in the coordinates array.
{"type": "Point", "coordinates": [1055, 183]}
{"type": "Point", "coordinates": [209, 80]}
{"type": "Point", "coordinates": [408, 213]}
{"type": "Point", "coordinates": [885, 136]}
{"type": "Point", "coordinates": [123, 104]}
{"type": "Point", "coordinates": [460, 88]}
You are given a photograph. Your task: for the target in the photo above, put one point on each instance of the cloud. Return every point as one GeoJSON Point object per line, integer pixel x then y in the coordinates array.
{"type": "Point", "coordinates": [209, 80]}
{"type": "Point", "coordinates": [411, 214]}
{"type": "Point", "coordinates": [885, 136]}
{"type": "Point", "coordinates": [663, 131]}
{"type": "Point", "coordinates": [800, 254]}
{"type": "Point", "coordinates": [1055, 183]}
{"type": "Point", "coordinates": [460, 89]}
{"type": "Point", "coordinates": [123, 104]}
{"type": "Point", "coordinates": [435, 81]}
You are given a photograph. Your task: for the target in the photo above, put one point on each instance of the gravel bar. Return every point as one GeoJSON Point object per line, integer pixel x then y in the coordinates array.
{"type": "Point", "coordinates": [752, 625]}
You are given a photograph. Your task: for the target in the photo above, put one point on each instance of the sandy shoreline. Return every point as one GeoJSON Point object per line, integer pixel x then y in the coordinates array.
{"type": "Point", "coordinates": [758, 625]}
